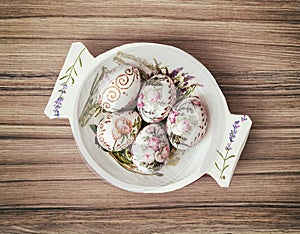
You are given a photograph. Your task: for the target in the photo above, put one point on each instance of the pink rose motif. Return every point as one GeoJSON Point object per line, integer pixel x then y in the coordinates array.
{"type": "Point", "coordinates": [123, 126]}
{"type": "Point", "coordinates": [196, 102]}
{"type": "Point", "coordinates": [165, 152]}
{"type": "Point", "coordinates": [172, 116]}
{"type": "Point", "coordinates": [153, 96]}
{"type": "Point", "coordinates": [140, 102]}
{"type": "Point", "coordinates": [149, 158]}
{"type": "Point", "coordinates": [185, 125]}
{"type": "Point", "coordinates": [167, 128]}
{"type": "Point", "coordinates": [150, 130]}
{"type": "Point", "coordinates": [163, 155]}
{"type": "Point", "coordinates": [143, 157]}
{"type": "Point", "coordinates": [153, 143]}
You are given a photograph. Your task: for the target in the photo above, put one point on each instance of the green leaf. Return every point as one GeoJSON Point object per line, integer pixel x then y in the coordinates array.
{"type": "Point", "coordinates": [65, 76]}
{"type": "Point", "coordinates": [97, 143]}
{"type": "Point", "coordinates": [231, 156]}
{"type": "Point", "coordinates": [135, 123]}
{"type": "Point", "coordinates": [121, 157]}
{"type": "Point", "coordinates": [72, 79]}
{"type": "Point", "coordinates": [69, 69]}
{"type": "Point", "coordinates": [75, 71]}
{"type": "Point", "coordinates": [98, 110]}
{"type": "Point", "coordinates": [80, 62]}
{"type": "Point", "coordinates": [225, 167]}
{"type": "Point", "coordinates": [177, 78]}
{"type": "Point", "coordinates": [217, 166]}
{"type": "Point", "coordinates": [221, 154]}
{"type": "Point", "coordinates": [94, 128]}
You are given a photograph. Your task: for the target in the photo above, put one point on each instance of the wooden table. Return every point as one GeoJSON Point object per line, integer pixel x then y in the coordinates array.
{"type": "Point", "coordinates": [252, 49]}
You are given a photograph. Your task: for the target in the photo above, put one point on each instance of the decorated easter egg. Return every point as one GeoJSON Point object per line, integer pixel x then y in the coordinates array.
{"type": "Point", "coordinates": [186, 123]}
{"type": "Point", "coordinates": [156, 98]}
{"type": "Point", "coordinates": [150, 149]}
{"type": "Point", "coordinates": [118, 130]}
{"type": "Point", "coordinates": [120, 88]}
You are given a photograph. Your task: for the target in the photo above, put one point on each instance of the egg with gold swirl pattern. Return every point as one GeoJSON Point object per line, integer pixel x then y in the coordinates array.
{"type": "Point", "coordinates": [121, 89]}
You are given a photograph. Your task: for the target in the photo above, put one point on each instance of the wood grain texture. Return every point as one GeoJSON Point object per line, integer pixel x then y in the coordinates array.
{"type": "Point", "coordinates": [251, 48]}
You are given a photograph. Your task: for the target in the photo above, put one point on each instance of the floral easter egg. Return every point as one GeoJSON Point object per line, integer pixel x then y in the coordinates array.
{"type": "Point", "coordinates": [150, 149]}
{"type": "Point", "coordinates": [120, 88]}
{"type": "Point", "coordinates": [186, 123]}
{"type": "Point", "coordinates": [156, 98]}
{"type": "Point", "coordinates": [118, 130]}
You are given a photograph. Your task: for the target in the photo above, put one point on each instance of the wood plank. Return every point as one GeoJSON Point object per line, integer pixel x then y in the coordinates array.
{"type": "Point", "coordinates": [38, 151]}
{"type": "Point", "coordinates": [70, 169]}
{"type": "Point", "coordinates": [255, 189]}
{"type": "Point", "coordinates": [46, 172]}
{"type": "Point", "coordinates": [262, 145]}
{"type": "Point", "coordinates": [259, 83]}
{"type": "Point", "coordinates": [167, 220]}
{"type": "Point", "coordinates": [28, 59]}
{"type": "Point", "coordinates": [252, 32]}
{"type": "Point", "coordinates": [194, 10]}
{"type": "Point", "coordinates": [35, 132]}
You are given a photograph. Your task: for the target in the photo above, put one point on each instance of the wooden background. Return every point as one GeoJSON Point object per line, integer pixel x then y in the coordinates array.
{"type": "Point", "coordinates": [252, 49]}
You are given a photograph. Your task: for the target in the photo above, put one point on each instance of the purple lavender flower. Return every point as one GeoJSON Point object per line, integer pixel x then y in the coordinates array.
{"type": "Point", "coordinates": [231, 136]}
{"type": "Point", "coordinates": [57, 105]}
{"type": "Point", "coordinates": [59, 100]}
{"type": "Point", "coordinates": [233, 132]}
{"type": "Point", "coordinates": [227, 147]}
{"type": "Point", "coordinates": [187, 77]}
{"type": "Point", "coordinates": [175, 72]}
{"type": "Point", "coordinates": [64, 86]}
{"type": "Point", "coordinates": [244, 118]}
{"type": "Point", "coordinates": [56, 111]}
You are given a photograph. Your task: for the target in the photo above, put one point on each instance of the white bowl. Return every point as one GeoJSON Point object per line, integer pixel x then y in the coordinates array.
{"type": "Point", "coordinates": [209, 156]}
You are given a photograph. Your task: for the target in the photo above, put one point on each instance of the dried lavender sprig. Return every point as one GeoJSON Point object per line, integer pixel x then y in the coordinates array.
{"type": "Point", "coordinates": [91, 107]}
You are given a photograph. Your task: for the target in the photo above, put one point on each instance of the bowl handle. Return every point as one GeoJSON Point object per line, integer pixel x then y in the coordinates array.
{"type": "Point", "coordinates": [236, 133]}
{"type": "Point", "coordinates": [78, 62]}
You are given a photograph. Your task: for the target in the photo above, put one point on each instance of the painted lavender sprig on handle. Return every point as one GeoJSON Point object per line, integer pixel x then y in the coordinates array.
{"type": "Point", "coordinates": [232, 135]}
{"type": "Point", "coordinates": [58, 102]}
{"type": "Point", "coordinates": [68, 76]}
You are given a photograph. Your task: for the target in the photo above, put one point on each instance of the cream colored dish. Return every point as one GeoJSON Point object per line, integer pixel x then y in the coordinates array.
{"type": "Point", "coordinates": [216, 154]}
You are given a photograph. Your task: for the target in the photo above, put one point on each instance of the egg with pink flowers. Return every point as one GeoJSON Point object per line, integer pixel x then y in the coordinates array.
{"type": "Point", "coordinates": [118, 130]}
{"type": "Point", "coordinates": [151, 149]}
{"type": "Point", "coordinates": [156, 98]}
{"type": "Point", "coordinates": [186, 123]}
